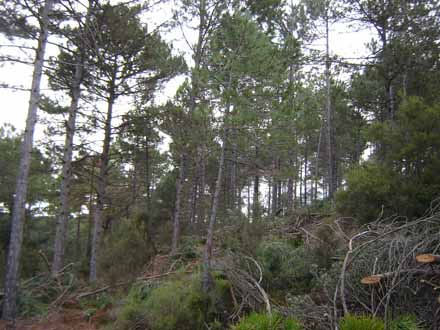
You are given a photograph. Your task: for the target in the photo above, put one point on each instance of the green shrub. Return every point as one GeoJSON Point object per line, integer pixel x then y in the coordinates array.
{"type": "Point", "coordinates": [405, 322]}
{"type": "Point", "coordinates": [361, 322]}
{"type": "Point", "coordinates": [175, 304]}
{"type": "Point", "coordinates": [259, 321]}
{"type": "Point", "coordinates": [125, 252]}
{"type": "Point", "coordinates": [369, 190]}
{"type": "Point", "coordinates": [287, 269]}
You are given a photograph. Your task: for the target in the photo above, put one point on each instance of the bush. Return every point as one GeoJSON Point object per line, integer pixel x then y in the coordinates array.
{"type": "Point", "coordinates": [125, 252]}
{"type": "Point", "coordinates": [287, 269]}
{"type": "Point", "coordinates": [405, 322]}
{"type": "Point", "coordinates": [369, 189]}
{"type": "Point", "coordinates": [361, 322]}
{"type": "Point", "coordinates": [258, 321]}
{"type": "Point", "coordinates": [176, 304]}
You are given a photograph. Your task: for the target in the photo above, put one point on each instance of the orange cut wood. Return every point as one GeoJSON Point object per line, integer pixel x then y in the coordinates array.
{"type": "Point", "coordinates": [371, 280]}
{"type": "Point", "coordinates": [428, 258]}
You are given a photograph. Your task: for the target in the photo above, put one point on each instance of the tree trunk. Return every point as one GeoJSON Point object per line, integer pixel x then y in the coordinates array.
{"type": "Point", "coordinates": [274, 189]}
{"type": "Point", "coordinates": [177, 210]}
{"type": "Point", "coordinates": [63, 211]}
{"type": "Point", "coordinates": [233, 171]}
{"type": "Point", "coordinates": [290, 189]}
{"type": "Point", "coordinates": [306, 161]}
{"type": "Point", "coordinates": [201, 193]}
{"type": "Point", "coordinates": [18, 213]}
{"type": "Point", "coordinates": [207, 252]}
{"type": "Point", "coordinates": [318, 153]}
{"type": "Point", "coordinates": [330, 135]}
{"type": "Point", "coordinates": [102, 184]}
{"type": "Point", "coordinates": [256, 199]}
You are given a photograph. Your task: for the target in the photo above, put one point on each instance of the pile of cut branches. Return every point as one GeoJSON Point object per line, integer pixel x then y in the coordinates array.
{"type": "Point", "coordinates": [391, 267]}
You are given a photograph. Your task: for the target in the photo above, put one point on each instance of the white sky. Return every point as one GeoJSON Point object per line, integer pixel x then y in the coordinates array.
{"type": "Point", "coordinates": [13, 104]}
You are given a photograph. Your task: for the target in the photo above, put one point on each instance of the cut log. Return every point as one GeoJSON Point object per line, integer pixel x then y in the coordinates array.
{"type": "Point", "coordinates": [372, 279]}
{"type": "Point", "coordinates": [375, 279]}
{"type": "Point", "coordinates": [428, 258]}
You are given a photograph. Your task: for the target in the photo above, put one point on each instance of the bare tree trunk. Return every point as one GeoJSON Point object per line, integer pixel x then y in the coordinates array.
{"type": "Point", "coordinates": [101, 185]}
{"type": "Point", "coordinates": [269, 196]}
{"type": "Point", "coordinates": [207, 252]}
{"type": "Point", "coordinates": [256, 199]}
{"type": "Point", "coordinates": [91, 212]}
{"type": "Point", "coordinates": [63, 211]}
{"type": "Point", "coordinates": [233, 171]}
{"type": "Point", "coordinates": [274, 188]}
{"type": "Point", "coordinates": [306, 161]}
{"type": "Point", "coordinates": [201, 194]}
{"type": "Point", "coordinates": [18, 214]}
{"type": "Point", "coordinates": [196, 187]}
{"type": "Point", "coordinates": [330, 135]}
{"type": "Point", "coordinates": [300, 179]}
{"type": "Point", "coordinates": [290, 189]}
{"type": "Point", "coordinates": [177, 211]}
{"type": "Point", "coordinates": [318, 153]}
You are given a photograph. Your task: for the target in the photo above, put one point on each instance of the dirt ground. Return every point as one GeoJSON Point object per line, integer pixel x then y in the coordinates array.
{"type": "Point", "coordinates": [66, 319]}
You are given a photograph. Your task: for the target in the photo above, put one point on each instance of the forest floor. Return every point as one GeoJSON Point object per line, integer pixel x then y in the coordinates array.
{"type": "Point", "coordinates": [64, 319]}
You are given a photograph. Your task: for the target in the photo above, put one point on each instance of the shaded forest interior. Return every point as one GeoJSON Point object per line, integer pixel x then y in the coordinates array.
{"type": "Point", "coordinates": [278, 186]}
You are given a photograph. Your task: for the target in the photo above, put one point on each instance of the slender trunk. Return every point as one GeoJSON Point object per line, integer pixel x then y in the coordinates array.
{"type": "Point", "coordinates": [147, 174]}
{"type": "Point", "coordinates": [274, 188]}
{"type": "Point", "coordinates": [63, 211]}
{"type": "Point", "coordinates": [196, 186]}
{"type": "Point", "coordinates": [78, 238]}
{"type": "Point", "coordinates": [18, 214]}
{"type": "Point", "coordinates": [201, 194]}
{"type": "Point", "coordinates": [290, 190]}
{"type": "Point", "coordinates": [300, 183]}
{"type": "Point", "coordinates": [233, 171]}
{"type": "Point", "coordinates": [306, 161]}
{"type": "Point", "coordinates": [91, 212]}
{"type": "Point", "coordinates": [207, 252]}
{"type": "Point", "coordinates": [269, 196]}
{"type": "Point", "coordinates": [102, 184]}
{"type": "Point", "coordinates": [177, 211]}
{"type": "Point", "coordinates": [256, 199]}
{"type": "Point", "coordinates": [330, 135]}
{"type": "Point", "coordinates": [248, 200]}
{"type": "Point", "coordinates": [318, 153]}
{"type": "Point", "coordinates": [295, 182]}
{"type": "Point", "coordinates": [195, 91]}
{"type": "Point", "coordinates": [193, 199]}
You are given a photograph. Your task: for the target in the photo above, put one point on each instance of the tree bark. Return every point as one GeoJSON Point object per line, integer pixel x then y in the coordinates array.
{"type": "Point", "coordinates": [256, 199]}
{"type": "Point", "coordinates": [102, 183]}
{"type": "Point", "coordinates": [63, 211]}
{"type": "Point", "coordinates": [207, 252]}
{"type": "Point", "coordinates": [177, 210]}
{"type": "Point", "coordinates": [201, 192]}
{"type": "Point", "coordinates": [18, 214]}
{"type": "Point", "coordinates": [233, 171]}
{"type": "Point", "coordinates": [274, 188]}
{"type": "Point", "coordinates": [330, 135]}
{"type": "Point", "coordinates": [306, 162]}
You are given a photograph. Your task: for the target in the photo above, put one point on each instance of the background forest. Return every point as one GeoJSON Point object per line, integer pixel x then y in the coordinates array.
{"type": "Point", "coordinates": [279, 186]}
